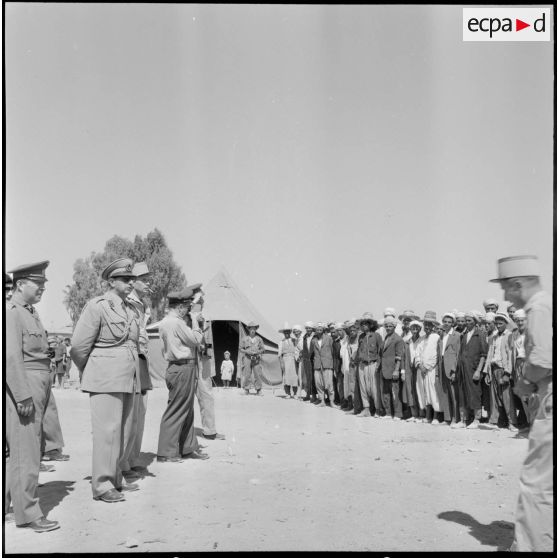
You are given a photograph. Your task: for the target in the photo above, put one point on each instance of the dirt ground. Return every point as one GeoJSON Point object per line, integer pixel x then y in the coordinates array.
{"type": "Point", "coordinates": [289, 476]}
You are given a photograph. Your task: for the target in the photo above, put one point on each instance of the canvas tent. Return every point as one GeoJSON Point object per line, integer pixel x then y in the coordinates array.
{"type": "Point", "coordinates": [227, 312]}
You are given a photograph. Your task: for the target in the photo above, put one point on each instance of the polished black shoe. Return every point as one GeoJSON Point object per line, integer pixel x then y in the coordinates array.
{"type": "Point", "coordinates": [46, 468]}
{"type": "Point", "coordinates": [41, 525]}
{"type": "Point", "coordinates": [110, 496]}
{"type": "Point", "coordinates": [55, 455]}
{"type": "Point", "coordinates": [196, 455]}
{"type": "Point", "coordinates": [214, 436]}
{"type": "Point", "coordinates": [130, 487]}
{"type": "Point", "coordinates": [162, 459]}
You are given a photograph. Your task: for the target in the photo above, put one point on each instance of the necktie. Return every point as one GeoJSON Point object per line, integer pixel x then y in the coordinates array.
{"type": "Point", "coordinates": [30, 308]}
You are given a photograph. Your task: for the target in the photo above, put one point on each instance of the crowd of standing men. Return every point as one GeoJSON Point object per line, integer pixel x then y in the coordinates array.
{"type": "Point", "coordinates": [416, 370]}
{"type": "Point", "coordinates": [428, 371]}
{"type": "Point", "coordinates": [449, 372]}
{"type": "Point", "coordinates": [109, 348]}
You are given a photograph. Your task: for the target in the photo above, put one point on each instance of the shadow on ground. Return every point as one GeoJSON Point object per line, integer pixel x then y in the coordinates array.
{"type": "Point", "coordinates": [146, 458]}
{"type": "Point", "coordinates": [52, 493]}
{"type": "Point", "coordinates": [497, 533]}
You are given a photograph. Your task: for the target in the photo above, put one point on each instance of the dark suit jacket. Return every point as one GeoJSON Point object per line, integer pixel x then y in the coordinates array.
{"type": "Point", "coordinates": [306, 348]}
{"type": "Point", "coordinates": [336, 356]}
{"type": "Point", "coordinates": [451, 355]}
{"type": "Point", "coordinates": [323, 356]}
{"type": "Point", "coordinates": [392, 350]}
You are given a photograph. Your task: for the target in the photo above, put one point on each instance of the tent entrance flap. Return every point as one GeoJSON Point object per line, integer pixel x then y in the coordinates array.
{"type": "Point", "coordinates": [225, 338]}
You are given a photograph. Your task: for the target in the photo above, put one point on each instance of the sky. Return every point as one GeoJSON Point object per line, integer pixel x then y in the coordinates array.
{"type": "Point", "coordinates": [334, 159]}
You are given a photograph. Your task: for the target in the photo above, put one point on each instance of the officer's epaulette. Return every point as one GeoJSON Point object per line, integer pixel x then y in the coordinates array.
{"type": "Point", "coordinates": [102, 298]}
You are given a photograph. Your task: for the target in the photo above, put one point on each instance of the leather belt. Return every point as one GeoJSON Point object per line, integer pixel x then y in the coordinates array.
{"type": "Point", "coordinates": [182, 361]}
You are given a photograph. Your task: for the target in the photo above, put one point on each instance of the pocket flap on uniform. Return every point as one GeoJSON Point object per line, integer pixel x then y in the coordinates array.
{"type": "Point", "coordinates": [103, 353]}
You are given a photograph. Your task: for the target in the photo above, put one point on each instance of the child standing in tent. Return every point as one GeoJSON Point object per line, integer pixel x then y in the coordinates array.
{"type": "Point", "coordinates": [227, 369]}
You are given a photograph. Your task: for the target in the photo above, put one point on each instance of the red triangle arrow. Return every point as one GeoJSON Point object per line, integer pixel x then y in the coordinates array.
{"type": "Point", "coordinates": [519, 25]}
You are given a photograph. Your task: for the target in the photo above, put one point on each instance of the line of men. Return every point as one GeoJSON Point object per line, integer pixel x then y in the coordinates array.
{"type": "Point", "coordinates": [503, 362]}
{"type": "Point", "coordinates": [109, 349]}
{"type": "Point", "coordinates": [427, 371]}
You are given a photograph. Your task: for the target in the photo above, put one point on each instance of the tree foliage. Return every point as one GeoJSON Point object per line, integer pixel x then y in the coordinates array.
{"type": "Point", "coordinates": [166, 274]}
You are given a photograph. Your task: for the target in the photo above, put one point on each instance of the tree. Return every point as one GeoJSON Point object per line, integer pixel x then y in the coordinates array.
{"type": "Point", "coordinates": [166, 274]}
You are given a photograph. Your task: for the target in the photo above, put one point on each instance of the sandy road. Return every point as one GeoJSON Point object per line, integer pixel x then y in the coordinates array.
{"type": "Point", "coordinates": [289, 476]}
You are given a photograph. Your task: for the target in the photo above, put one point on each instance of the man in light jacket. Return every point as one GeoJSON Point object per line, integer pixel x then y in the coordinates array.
{"type": "Point", "coordinates": [519, 277]}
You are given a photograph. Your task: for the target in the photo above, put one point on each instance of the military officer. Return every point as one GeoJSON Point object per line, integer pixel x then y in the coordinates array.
{"type": "Point", "coordinates": [138, 298]}
{"type": "Point", "coordinates": [181, 346]}
{"type": "Point", "coordinates": [105, 351]}
{"type": "Point", "coordinates": [27, 389]}
{"type": "Point", "coordinates": [519, 278]}
{"type": "Point", "coordinates": [204, 392]}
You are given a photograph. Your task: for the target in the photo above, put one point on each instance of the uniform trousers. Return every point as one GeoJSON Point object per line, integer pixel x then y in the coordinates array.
{"type": "Point", "coordinates": [449, 397]}
{"type": "Point", "coordinates": [206, 402]}
{"type": "Point", "coordinates": [250, 370]}
{"type": "Point", "coordinates": [23, 435]}
{"type": "Point", "coordinates": [501, 398]}
{"type": "Point", "coordinates": [141, 406]}
{"type": "Point", "coordinates": [369, 380]}
{"type": "Point", "coordinates": [132, 447]}
{"type": "Point", "coordinates": [177, 436]}
{"type": "Point", "coordinates": [431, 389]}
{"type": "Point", "coordinates": [52, 438]}
{"type": "Point", "coordinates": [112, 421]}
{"type": "Point", "coordinates": [534, 521]}
{"type": "Point", "coordinates": [391, 397]}
{"type": "Point", "coordinates": [324, 383]}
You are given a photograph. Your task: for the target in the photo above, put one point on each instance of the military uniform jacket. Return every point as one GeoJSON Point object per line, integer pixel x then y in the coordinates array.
{"type": "Point", "coordinates": [26, 348]}
{"type": "Point", "coordinates": [143, 344]}
{"type": "Point", "coordinates": [105, 346]}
